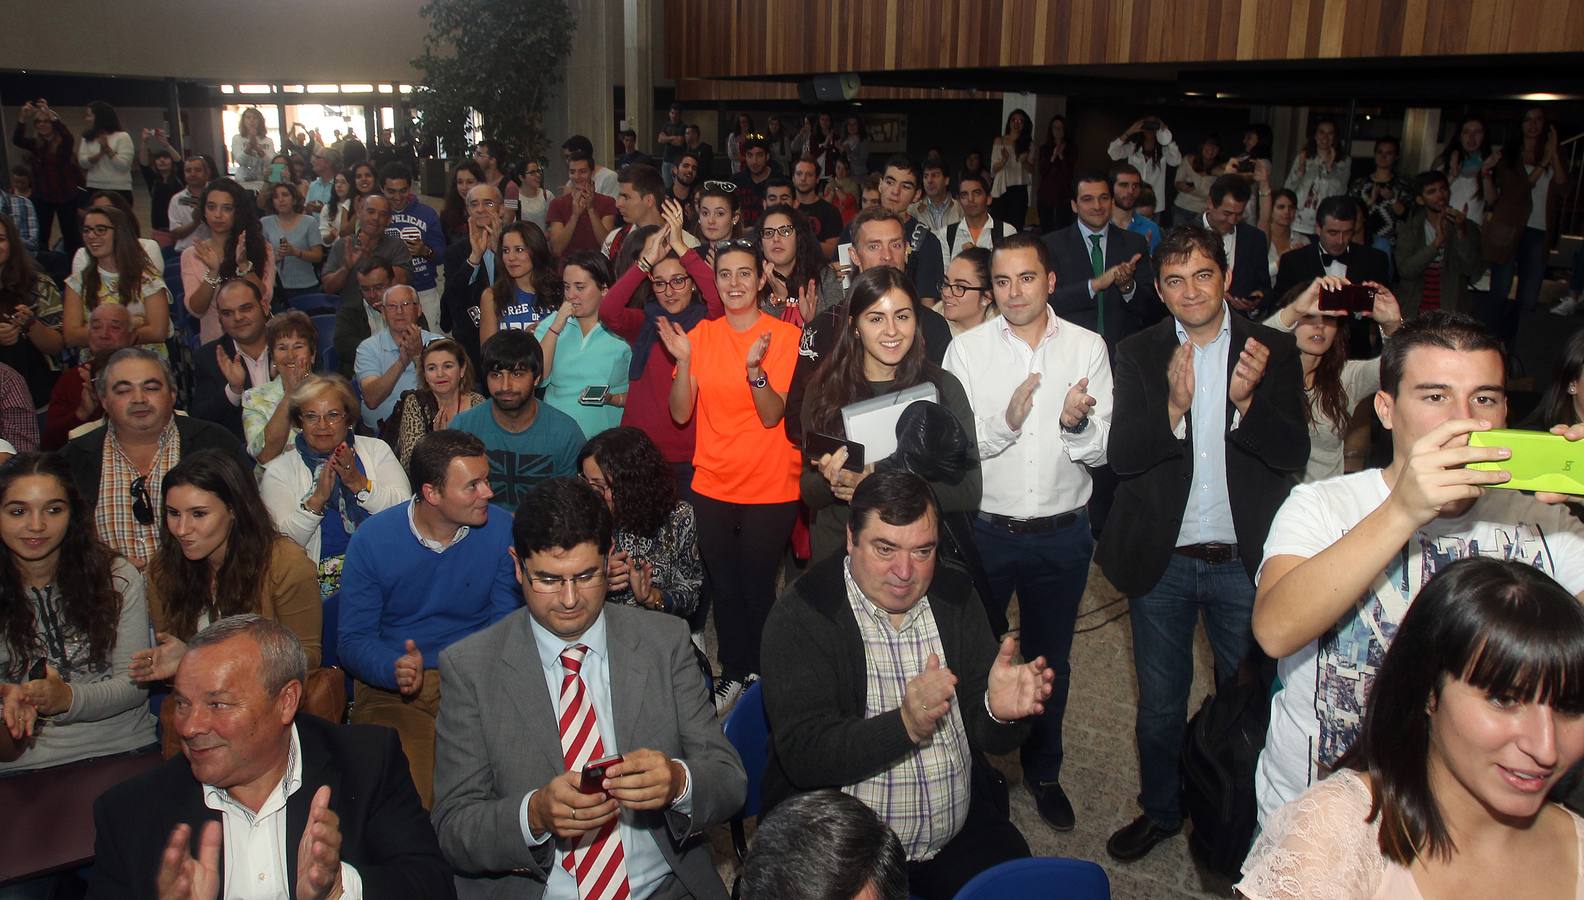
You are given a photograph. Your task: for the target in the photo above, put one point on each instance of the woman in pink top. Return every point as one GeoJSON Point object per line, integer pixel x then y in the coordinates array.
{"type": "Point", "coordinates": [684, 292]}
{"type": "Point", "coordinates": [1476, 713]}
{"type": "Point", "coordinates": [229, 244]}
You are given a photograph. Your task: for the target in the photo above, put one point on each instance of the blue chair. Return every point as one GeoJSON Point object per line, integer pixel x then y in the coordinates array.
{"type": "Point", "coordinates": [1042, 877]}
{"type": "Point", "coordinates": [314, 304]}
{"type": "Point", "coordinates": [749, 732]}
{"type": "Point", "coordinates": [324, 324]}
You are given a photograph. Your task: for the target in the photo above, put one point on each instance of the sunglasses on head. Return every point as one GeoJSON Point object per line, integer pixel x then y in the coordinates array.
{"type": "Point", "coordinates": [142, 509]}
{"type": "Point", "coordinates": [736, 244]}
{"type": "Point", "coordinates": [728, 186]}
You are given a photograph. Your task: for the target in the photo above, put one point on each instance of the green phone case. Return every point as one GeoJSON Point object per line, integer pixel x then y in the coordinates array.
{"type": "Point", "coordinates": [1540, 461]}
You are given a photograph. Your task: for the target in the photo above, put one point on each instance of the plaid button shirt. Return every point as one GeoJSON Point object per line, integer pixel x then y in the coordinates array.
{"type": "Point", "coordinates": [21, 211]}
{"type": "Point", "coordinates": [923, 796]}
{"type": "Point", "coordinates": [118, 527]}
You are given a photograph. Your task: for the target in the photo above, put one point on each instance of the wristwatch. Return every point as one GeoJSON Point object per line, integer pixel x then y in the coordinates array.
{"type": "Point", "coordinates": [759, 382]}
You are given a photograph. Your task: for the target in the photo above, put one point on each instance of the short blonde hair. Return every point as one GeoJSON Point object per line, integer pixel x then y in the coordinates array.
{"type": "Point", "coordinates": [315, 386]}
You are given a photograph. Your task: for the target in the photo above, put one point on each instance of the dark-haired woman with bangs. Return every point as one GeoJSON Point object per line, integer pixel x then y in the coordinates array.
{"type": "Point", "coordinates": [219, 555]}
{"type": "Point", "coordinates": [526, 288]}
{"type": "Point", "coordinates": [1477, 711]}
{"type": "Point", "coordinates": [229, 244]}
{"type": "Point", "coordinates": [119, 271]}
{"type": "Point", "coordinates": [72, 613]}
{"type": "Point", "coordinates": [802, 283]}
{"type": "Point", "coordinates": [655, 559]}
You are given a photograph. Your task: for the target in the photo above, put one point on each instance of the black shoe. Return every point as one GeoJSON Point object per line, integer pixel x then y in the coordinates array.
{"type": "Point", "coordinates": [1052, 803]}
{"type": "Point", "coordinates": [1138, 838]}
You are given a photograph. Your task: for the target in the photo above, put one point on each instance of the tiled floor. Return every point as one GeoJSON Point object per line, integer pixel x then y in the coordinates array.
{"type": "Point", "coordinates": [1101, 769]}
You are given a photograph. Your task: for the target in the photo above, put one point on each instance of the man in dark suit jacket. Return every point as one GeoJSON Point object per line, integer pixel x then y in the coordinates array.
{"type": "Point", "coordinates": [1248, 284]}
{"type": "Point", "coordinates": [851, 704]}
{"type": "Point", "coordinates": [139, 401]}
{"type": "Point", "coordinates": [349, 808]}
{"type": "Point", "coordinates": [470, 268]}
{"type": "Point", "coordinates": [217, 397]}
{"type": "Point", "coordinates": [1335, 254]}
{"type": "Point", "coordinates": [1117, 297]}
{"type": "Point", "coordinates": [1208, 434]}
{"type": "Point", "coordinates": [508, 806]}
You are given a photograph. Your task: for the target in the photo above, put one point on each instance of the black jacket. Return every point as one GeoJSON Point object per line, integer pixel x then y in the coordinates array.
{"type": "Point", "coordinates": [385, 833]}
{"type": "Point", "coordinates": [209, 401]}
{"type": "Point", "coordinates": [1251, 269]}
{"type": "Point", "coordinates": [1301, 266]}
{"type": "Point", "coordinates": [85, 454]}
{"type": "Point", "coordinates": [1069, 256]}
{"type": "Point", "coordinates": [814, 683]}
{"type": "Point", "coordinates": [1265, 454]}
{"type": "Point", "coordinates": [459, 303]}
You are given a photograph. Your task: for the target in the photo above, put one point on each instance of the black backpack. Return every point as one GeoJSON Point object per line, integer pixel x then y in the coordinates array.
{"type": "Point", "coordinates": [1220, 752]}
{"type": "Point", "coordinates": [995, 235]}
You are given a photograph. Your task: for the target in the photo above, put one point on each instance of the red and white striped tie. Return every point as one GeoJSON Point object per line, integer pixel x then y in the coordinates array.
{"type": "Point", "coordinates": [595, 859]}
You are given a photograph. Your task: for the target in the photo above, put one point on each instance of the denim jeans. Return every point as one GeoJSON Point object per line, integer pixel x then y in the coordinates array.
{"type": "Point", "coordinates": [1163, 647]}
{"type": "Point", "coordinates": [1528, 266]}
{"type": "Point", "coordinates": [1049, 570]}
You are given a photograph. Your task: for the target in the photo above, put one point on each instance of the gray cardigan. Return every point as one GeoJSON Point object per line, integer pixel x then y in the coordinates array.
{"type": "Point", "coordinates": [109, 713]}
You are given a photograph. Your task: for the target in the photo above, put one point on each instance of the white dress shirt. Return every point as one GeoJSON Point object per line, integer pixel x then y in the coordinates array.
{"type": "Point", "coordinates": [255, 843]}
{"type": "Point", "coordinates": [1228, 243]}
{"type": "Point", "coordinates": [1037, 470]}
{"type": "Point", "coordinates": [1104, 234]}
{"type": "Point", "coordinates": [646, 865]}
{"type": "Point", "coordinates": [1208, 516]}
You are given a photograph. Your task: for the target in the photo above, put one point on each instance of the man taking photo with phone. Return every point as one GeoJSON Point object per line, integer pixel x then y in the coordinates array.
{"type": "Point", "coordinates": [1346, 556]}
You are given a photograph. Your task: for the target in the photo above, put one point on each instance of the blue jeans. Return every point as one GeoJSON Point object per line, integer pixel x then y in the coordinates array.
{"type": "Point", "coordinates": [1528, 266]}
{"type": "Point", "coordinates": [1163, 642]}
{"type": "Point", "coordinates": [1049, 570]}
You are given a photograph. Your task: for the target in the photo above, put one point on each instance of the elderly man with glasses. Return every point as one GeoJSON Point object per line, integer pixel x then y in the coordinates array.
{"type": "Point", "coordinates": [122, 463]}
{"type": "Point", "coordinates": [386, 360]}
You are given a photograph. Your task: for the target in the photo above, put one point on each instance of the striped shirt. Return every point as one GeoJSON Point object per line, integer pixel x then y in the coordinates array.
{"type": "Point", "coordinates": [118, 525]}
{"type": "Point", "coordinates": [923, 796]}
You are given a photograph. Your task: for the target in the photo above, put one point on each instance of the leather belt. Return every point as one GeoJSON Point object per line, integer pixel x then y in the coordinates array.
{"type": "Point", "coordinates": [1030, 526]}
{"type": "Point", "coordinates": [1210, 553]}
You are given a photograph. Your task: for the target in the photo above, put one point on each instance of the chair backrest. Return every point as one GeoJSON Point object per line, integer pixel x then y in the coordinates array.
{"type": "Point", "coordinates": [314, 304]}
{"type": "Point", "coordinates": [324, 324]}
{"type": "Point", "coordinates": [1042, 877]}
{"type": "Point", "coordinates": [749, 732]}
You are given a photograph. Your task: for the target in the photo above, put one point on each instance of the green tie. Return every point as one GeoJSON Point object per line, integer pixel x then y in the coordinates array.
{"type": "Point", "coordinates": [1097, 262]}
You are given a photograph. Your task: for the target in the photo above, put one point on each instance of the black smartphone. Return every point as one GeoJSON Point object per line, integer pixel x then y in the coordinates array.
{"type": "Point", "coordinates": [1152, 124]}
{"type": "Point", "coordinates": [817, 445]}
{"type": "Point", "coordinates": [593, 778]}
{"type": "Point", "coordinates": [1358, 298]}
{"type": "Point", "coordinates": [1245, 167]}
{"type": "Point", "coordinates": [594, 395]}
{"type": "Point", "coordinates": [40, 669]}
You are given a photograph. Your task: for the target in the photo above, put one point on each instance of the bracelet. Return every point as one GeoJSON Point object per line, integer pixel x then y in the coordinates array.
{"type": "Point", "coordinates": [212, 279]}
{"type": "Point", "coordinates": [555, 331]}
{"type": "Point", "coordinates": [644, 266]}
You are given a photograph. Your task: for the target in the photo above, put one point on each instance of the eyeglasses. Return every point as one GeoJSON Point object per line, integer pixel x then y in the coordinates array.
{"type": "Point", "coordinates": [676, 283]}
{"type": "Point", "coordinates": [333, 417]}
{"type": "Point", "coordinates": [397, 306]}
{"type": "Point", "coordinates": [783, 231]}
{"type": "Point", "coordinates": [595, 483]}
{"type": "Point", "coordinates": [534, 172]}
{"type": "Point", "coordinates": [142, 509]}
{"type": "Point", "coordinates": [98, 230]}
{"type": "Point", "coordinates": [727, 186]}
{"type": "Point", "coordinates": [541, 584]}
{"type": "Point", "coordinates": [957, 289]}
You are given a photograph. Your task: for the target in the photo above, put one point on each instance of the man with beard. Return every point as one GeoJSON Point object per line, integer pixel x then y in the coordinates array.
{"type": "Point", "coordinates": [1126, 185]}
{"type": "Point", "coordinates": [527, 442]}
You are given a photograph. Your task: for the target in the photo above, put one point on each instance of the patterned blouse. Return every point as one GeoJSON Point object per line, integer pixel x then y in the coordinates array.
{"type": "Point", "coordinates": [414, 417]}
{"type": "Point", "coordinates": [673, 552]}
{"type": "Point", "coordinates": [258, 407]}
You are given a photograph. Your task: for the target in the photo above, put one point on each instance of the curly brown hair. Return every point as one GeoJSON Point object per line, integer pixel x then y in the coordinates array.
{"type": "Point", "coordinates": [643, 491]}
{"type": "Point", "coordinates": [90, 603]}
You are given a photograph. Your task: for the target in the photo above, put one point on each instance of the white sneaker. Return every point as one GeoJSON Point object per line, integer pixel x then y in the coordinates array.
{"type": "Point", "coordinates": [1567, 306]}
{"type": "Point", "coordinates": [727, 690]}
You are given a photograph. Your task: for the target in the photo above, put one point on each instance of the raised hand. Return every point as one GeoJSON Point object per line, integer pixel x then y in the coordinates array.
{"type": "Point", "coordinates": [927, 699]}
{"type": "Point", "coordinates": [756, 352]}
{"type": "Point", "coordinates": [643, 586]}
{"type": "Point", "coordinates": [207, 255]}
{"type": "Point", "coordinates": [1180, 382]}
{"type": "Point", "coordinates": [159, 662]}
{"type": "Point", "coordinates": [1022, 402]}
{"type": "Point", "coordinates": [1434, 476]}
{"type": "Point", "coordinates": [180, 876]}
{"type": "Point", "coordinates": [409, 670]}
{"type": "Point", "coordinates": [674, 338]}
{"type": "Point", "coordinates": [1307, 303]}
{"type": "Point", "coordinates": [1386, 313]}
{"type": "Point", "coordinates": [618, 571]}
{"type": "Point", "coordinates": [1078, 404]}
{"type": "Point", "coordinates": [842, 481]}
{"type": "Point", "coordinates": [676, 222]}
{"type": "Point", "coordinates": [1017, 691]}
{"type": "Point", "coordinates": [1247, 373]}
{"type": "Point", "coordinates": [808, 300]}
{"type": "Point", "coordinates": [231, 367]}
{"type": "Point", "coordinates": [319, 851]}
{"type": "Point", "coordinates": [344, 462]}
{"type": "Point", "coordinates": [655, 245]}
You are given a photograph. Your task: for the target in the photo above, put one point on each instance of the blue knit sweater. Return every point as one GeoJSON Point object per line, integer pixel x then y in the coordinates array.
{"type": "Point", "coordinates": [394, 589]}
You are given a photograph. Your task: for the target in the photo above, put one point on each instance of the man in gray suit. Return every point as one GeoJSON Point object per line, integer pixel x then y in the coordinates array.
{"type": "Point", "coordinates": [569, 681]}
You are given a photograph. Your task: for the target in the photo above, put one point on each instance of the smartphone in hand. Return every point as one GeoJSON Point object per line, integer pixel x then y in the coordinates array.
{"type": "Point", "coordinates": [593, 778]}
{"type": "Point", "coordinates": [1357, 298]}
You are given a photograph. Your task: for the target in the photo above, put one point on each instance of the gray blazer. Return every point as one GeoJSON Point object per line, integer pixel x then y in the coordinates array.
{"type": "Point", "coordinates": [496, 740]}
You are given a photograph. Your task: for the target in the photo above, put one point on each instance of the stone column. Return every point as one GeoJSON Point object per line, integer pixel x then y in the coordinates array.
{"type": "Point", "coordinates": [637, 31]}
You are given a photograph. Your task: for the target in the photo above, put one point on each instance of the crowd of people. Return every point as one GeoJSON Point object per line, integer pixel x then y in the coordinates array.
{"type": "Point", "coordinates": [556, 431]}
